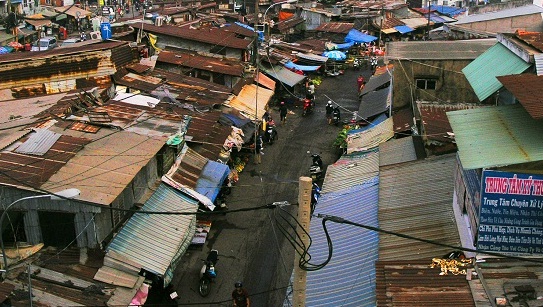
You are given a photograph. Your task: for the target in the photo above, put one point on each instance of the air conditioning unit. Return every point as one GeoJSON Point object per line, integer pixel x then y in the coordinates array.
{"type": "Point", "coordinates": [95, 35]}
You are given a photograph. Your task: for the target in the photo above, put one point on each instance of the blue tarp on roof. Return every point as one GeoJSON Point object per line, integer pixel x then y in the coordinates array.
{"type": "Point", "coordinates": [450, 11]}
{"type": "Point", "coordinates": [349, 278]}
{"type": "Point", "coordinates": [291, 65]}
{"type": "Point", "coordinates": [403, 29]}
{"type": "Point", "coordinates": [381, 118]}
{"type": "Point", "coordinates": [260, 33]}
{"type": "Point", "coordinates": [359, 37]}
{"type": "Point", "coordinates": [345, 45]}
{"type": "Point", "coordinates": [211, 179]}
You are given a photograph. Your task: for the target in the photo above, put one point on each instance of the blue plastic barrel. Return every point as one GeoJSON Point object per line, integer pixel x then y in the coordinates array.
{"type": "Point", "coordinates": [105, 30]}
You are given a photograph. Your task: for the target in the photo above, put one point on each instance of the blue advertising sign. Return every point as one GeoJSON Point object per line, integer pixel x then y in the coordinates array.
{"type": "Point", "coordinates": [511, 213]}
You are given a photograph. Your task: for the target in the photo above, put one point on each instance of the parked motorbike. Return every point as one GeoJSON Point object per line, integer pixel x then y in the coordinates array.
{"type": "Point", "coordinates": [336, 115]}
{"type": "Point", "coordinates": [315, 194]}
{"type": "Point", "coordinates": [315, 170]}
{"type": "Point", "coordinates": [208, 273]}
{"type": "Point", "coordinates": [357, 64]}
{"type": "Point", "coordinates": [270, 135]}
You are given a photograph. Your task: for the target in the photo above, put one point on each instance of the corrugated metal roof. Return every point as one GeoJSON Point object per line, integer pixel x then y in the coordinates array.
{"type": "Point", "coordinates": [335, 27]}
{"type": "Point", "coordinates": [414, 283]}
{"type": "Point", "coordinates": [194, 60]}
{"type": "Point", "coordinates": [265, 81]}
{"type": "Point", "coordinates": [438, 50]}
{"type": "Point", "coordinates": [374, 103]}
{"type": "Point", "coordinates": [36, 170]}
{"type": "Point", "coordinates": [527, 89]}
{"type": "Point", "coordinates": [38, 143]}
{"type": "Point", "coordinates": [284, 75]}
{"type": "Point", "coordinates": [538, 58]}
{"type": "Point", "coordinates": [435, 121]}
{"type": "Point", "coordinates": [403, 120]}
{"type": "Point", "coordinates": [376, 81]}
{"type": "Point", "coordinates": [370, 138]}
{"type": "Point", "coordinates": [312, 57]}
{"type": "Point", "coordinates": [224, 36]}
{"type": "Point", "coordinates": [350, 170]}
{"type": "Point", "coordinates": [496, 61]}
{"type": "Point", "coordinates": [188, 167]}
{"type": "Point", "coordinates": [501, 276]}
{"type": "Point", "coordinates": [416, 22]}
{"type": "Point", "coordinates": [103, 168]}
{"type": "Point", "coordinates": [252, 101]}
{"type": "Point", "coordinates": [496, 136]}
{"type": "Point", "coordinates": [416, 199]}
{"type": "Point", "coordinates": [396, 151]}
{"type": "Point", "coordinates": [349, 278]}
{"type": "Point", "coordinates": [507, 13]}
{"type": "Point", "coordinates": [153, 241]}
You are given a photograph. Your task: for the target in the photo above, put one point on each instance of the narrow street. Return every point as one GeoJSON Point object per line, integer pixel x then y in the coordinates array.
{"type": "Point", "coordinates": [251, 247]}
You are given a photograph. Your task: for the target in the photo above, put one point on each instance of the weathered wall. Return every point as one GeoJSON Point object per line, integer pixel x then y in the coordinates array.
{"type": "Point", "coordinates": [509, 25]}
{"type": "Point", "coordinates": [452, 86]}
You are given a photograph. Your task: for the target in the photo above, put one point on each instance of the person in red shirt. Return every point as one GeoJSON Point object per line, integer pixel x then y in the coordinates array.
{"type": "Point", "coordinates": [240, 296]}
{"type": "Point", "coordinates": [360, 81]}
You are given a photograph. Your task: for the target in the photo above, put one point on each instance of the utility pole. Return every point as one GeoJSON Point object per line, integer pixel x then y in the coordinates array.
{"type": "Point", "coordinates": [304, 215]}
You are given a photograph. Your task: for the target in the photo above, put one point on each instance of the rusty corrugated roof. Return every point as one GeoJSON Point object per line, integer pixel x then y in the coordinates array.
{"type": "Point", "coordinates": [194, 60]}
{"type": "Point", "coordinates": [535, 39]}
{"type": "Point", "coordinates": [224, 36]}
{"type": "Point", "coordinates": [188, 171]}
{"type": "Point", "coordinates": [265, 81]}
{"type": "Point", "coordinates": [403, 120]}
{"type": "Point", "coordinates": [285, 25]}
{"type": "Point", "coordinates": [335, 27]}
{"type": "Point", "coordinates": [527, 89]}
{"type": "Point", "coordinates": [435, 121]}
{"type": "Point", "coordinates": [24, 170]}
{"type": "Point", "coordinates": [414, 283]}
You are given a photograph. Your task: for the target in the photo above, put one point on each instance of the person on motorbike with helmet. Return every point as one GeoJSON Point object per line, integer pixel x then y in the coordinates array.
{"type": "Point", "coordinates": [240, 296]}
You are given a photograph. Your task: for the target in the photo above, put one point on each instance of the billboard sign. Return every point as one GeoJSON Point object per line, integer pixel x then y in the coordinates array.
{"type": "Point", "coordinates": [511, 213]}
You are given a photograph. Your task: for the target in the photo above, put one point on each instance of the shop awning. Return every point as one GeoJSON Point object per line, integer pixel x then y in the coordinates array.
{"type": "Point", "coordinates": [155, 242]}
{"type": "Point", "coordinates": [38, 21]}
{"type": "Point", "coordinates": [403, 29]}
{"type": "Point", "coordinates": [496, 61]}
{"type": "Point", "coordinates": [345, 45]}
{"type": "Point", "coordinates": [312, 57]}
{"type": "Point", "coordinates": [375, 82]}
{"type": "Point", "coordinates": [291, 65]}
{"type": "Point", "coordinates": [265, 81]}
{"type": "Point", "coordinates": [389, 31]}
{"type": "Point", "coordinates": [252, 101]}
{"type": "Point", "coordinates": [496, 136]}
{"type": "Point", "coordinates": [284, 75]}
{"type": "Point", "coordinates": [211, 179]}
{"type": "Point", "coordinates": [370, 138]}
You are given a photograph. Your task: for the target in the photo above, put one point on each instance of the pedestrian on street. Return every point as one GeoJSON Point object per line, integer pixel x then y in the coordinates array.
{"type": "Point", "coordinates": [360, 82]}
{"type": "Point", "coordinates": [283, 112]}
{"type": "Point", "coordinates": [258, 149]}
{"type": "Point", "coordinates": [240, 296]}
{"type": "Point", "coordinates": [329, 110]}
{"type": "Point", "coordinates": [311, 90]}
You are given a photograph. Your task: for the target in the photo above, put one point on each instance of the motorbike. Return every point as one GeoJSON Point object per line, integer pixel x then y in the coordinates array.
{"type": "Point", "coordinates": [308, 105]}
{"type": "Point", "coordinates": [315, 194]}
{"type": "Point", "coordinates": [208, 273]}
{"type": "Point", "coordinates": [336, 115]}
{"type": "Point", "coordinates": [270, 135]}
{"type": "Point", "coordinates": [315, 170]}
{"type": "Point", "coordinates": [357, 64]}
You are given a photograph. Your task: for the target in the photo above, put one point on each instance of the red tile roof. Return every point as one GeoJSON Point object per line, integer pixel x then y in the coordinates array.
{"type": "Point", "coordinates": [527, 89]}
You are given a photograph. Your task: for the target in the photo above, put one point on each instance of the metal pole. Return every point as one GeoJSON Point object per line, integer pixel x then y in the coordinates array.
{"type": "Point", "coordinates": [29, 285]}
{"type": "Point", "coordinates": [304, 215]}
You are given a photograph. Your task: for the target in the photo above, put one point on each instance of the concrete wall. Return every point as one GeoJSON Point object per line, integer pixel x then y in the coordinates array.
{"type": "Point", "coordinates": [452, 86]}
{"type": "Point", "coordinates": [509, 25]}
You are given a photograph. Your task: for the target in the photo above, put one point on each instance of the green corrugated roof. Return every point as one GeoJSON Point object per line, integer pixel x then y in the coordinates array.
{"type": "Point", "coordinates": [496, 61]}
{"type": "Point", "coordinates": [496, 136]}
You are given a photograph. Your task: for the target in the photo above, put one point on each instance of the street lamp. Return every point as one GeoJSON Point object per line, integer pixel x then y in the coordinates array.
{"type": "Point", "coordinates": [62, 195]}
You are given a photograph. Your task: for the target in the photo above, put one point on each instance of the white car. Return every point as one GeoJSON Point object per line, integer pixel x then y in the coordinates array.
{"type": "Point", "coordinates": [45, 43]}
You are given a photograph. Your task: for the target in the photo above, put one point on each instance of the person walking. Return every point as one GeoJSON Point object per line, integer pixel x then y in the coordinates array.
{"type": "Point", "coordinates": [329, 110]}
{"type": "Point", "coordinates": [360, 82]}
{"type": "Point", "coordinates": [258, 150]}
{"type": "Point", "coordinates": [283, 112]}
{"type": "Point", "coordinates": [240, 296]}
